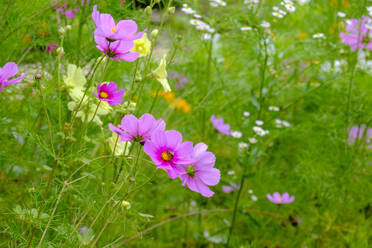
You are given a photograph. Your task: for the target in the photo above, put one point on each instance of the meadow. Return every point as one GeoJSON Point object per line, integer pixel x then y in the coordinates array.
{"type": "Point", "coordinates": [169, 123]}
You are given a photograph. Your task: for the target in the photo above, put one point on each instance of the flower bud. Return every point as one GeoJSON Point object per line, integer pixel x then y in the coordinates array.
{"type": "Point", "coordinates": [171, 10]}
{"type": "Point", "coordinates": [37, 76]}
{"type": "Point", "coordinates": [68, 27]}
{"type": "Point", "coordinates": [154, 33]}
{"type": "Point", "coordinates": [60, 50]}
{"type": "Point", "coordinates": [148, 11]}
{"type": "Point", "coordinates": [61, 30]}
{"type": "Point", "coordinates": [125, 204]}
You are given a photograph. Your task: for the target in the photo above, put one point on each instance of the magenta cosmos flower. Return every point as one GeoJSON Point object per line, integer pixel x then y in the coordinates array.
{"type": "Point", "coordinates": [278, 199]}
{"type": "Point", "coordinates": [9, 70]}
{"type": "Point", "coordinates": [198, 175]}
{"type": "Point", "coordinates": [358, 34]}
{"type": "Point", "coordinates": [51, 47]}
{"type": "Point", "coordinates": [63, 9]}
{"type": "Point", "coordinates": [140, 130]}
{"type": "Point", "coordinates": [108, 92]}
{"type": "Point", "coordinates": [220, 126]}
{"type": "Point", "coordinates": [108, 29]}
{"type": "Point", "coordinates": [117, 50]}
{"type": "Point", "coordinates": [358, 133]}
{"type": "Point", "coordinates": [167, 151]}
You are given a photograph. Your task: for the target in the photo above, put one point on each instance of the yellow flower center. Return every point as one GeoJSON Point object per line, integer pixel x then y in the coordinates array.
{"type": "Point", "coordinates": [279, 201]}
{"type": "Point", "coordinates": [103, 94]}
{"type": "Point", "coordinates": [166, 156]}
{"type": "Point", "coordinates": [114, 30]}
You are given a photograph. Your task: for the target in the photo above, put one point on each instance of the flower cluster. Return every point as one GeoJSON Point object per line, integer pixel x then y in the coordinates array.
{"type": "Point", "coordinates": [181, 79]}
{"type": "Point", "coordinates": [69, 13]}
{"type": "Point", "coordinates": [115, 40]}
{"type": "Point", "coordinates": [194, 165]}
{"type": "Point", "coordinates": [360, 132]}
{"type": "Point", "coordinates": [216, 3]}
{"type": "Point", "coordinates": [199, 24]}
{"type": "Point", "coordinates": [174, 102]}
{"type": "Point", "coordinates": [358, 33]}
{"type": "Point", "coordinates": [288, 4]}
{"type": "Point", "coordinates": [9, 70]}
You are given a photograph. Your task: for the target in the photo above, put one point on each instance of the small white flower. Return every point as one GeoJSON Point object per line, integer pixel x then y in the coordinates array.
{"type": "Point", "coordinates": [250, 191]}
{"type": "Point", "coordinates": [286, 123]}
{"type": "Point", "coordinates": [231, 172]}
{"type": "Point", "coordinates": [290, 7]}
{"type": "Point", "coordinates": [207, 36]}
{"type": "Point", "coordinates": [254, 198]}
{"type": "Point", "coordinates": [246, 114]}
{"type": "Point", "coordinates": [216, 3]}
{"type": "Point", "coordinates": [277, 14]}
{"type": "Point", "coordinates": [236, 134]}
{"type": "Point", "coordinates": [265, 24]}
{"type": "Point", "coordinates": [259, 122]}
{"type": "Point", "coordinates": [252, 140]}
{"type": "Point", "coordinates": [213, 4]}
{"type": "Point", "coordinates": [245, 28]}
{"type": "Point", "coordinates": [273, 108]}
{"type": "Point", "coordinates": [276, 8]}
{"type": "Point", "coordinates": [260, 131]}
{"type": "Point", "coordinates": [318, 35]}
{"type": "Point", "coordinates": [341, 14]}
{"type": "Point", "coordinates": [197, 16]}
{"type": "Point", "coordinates": [242, 145]}
{"type": "Point", "coordinates": [282, 12]}
{"type": "Point", "coordinates": [187, 10]}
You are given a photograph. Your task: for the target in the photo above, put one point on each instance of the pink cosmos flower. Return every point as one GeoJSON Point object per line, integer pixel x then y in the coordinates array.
{"type": "Point", "coordinates": [198, 175]}
{"type": "Point", "coordinates": [117, 50]}
{"type": "Point", "coordinates": [140, 130]}
{"type": "Point", "coordinates": [167, 151]}
{"type": "Point", "coordinates": [358, 34]}
{"type": "Point", "coordinates": [51, 47]}
{"type": "Point", "coordinates": [68, 13]}
{"type": "Point", "coordinates": [108, 92]}
{"type": "Point", "coordinates": [9, 70]}
{"type": "Point", "coordinates": [220, 126]}
{"type": "Point", "coordinates": [358, 133]}
{"type": "Point", "coordinates": [278, 199]}
{"type": "Point", "coordinates": [106, 27]}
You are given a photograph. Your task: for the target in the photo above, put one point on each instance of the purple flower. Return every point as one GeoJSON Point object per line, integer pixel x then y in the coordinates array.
{"type": "Point", "coordinates": [68, 13]}
{"type": "Point", "coordinates": [358, 33]}
{"type": "Point", "coordinates": [9, 70]}
{"type": "Point", "coordinates": [133, 129]}
{"type": "Point", "coordinates": [230, 188]}
{"type": "Point", "coordinates": [182, 80]}
{"type": "Point", "coordinates": [358, 133]}
{"type": "Point", "coordinates": [117, 50]}
{"type": "Point", "coordinates": [108, 92]}
{"type": "Point", "coordinates": [167, 151]}
{"type": "Point", "coordinates": [106, 27]}
{"type": "Point", "coordinates": [51, 47]}
{"type": "Point", "coordinates": [278, 199]}
{"type": "Point", "coordinates": [220, 126]}
{"type": "Point", "coordinates": [198, 175]}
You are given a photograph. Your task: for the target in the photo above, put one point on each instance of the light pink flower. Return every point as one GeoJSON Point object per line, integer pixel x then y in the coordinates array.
{"type": "Point", "coordinates": [9, 70]}
{"type": "Point", "coordinates": [280, 199]}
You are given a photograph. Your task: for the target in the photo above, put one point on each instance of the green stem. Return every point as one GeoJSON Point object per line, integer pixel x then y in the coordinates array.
{"type": "Point", "coordinates": [262, 82]}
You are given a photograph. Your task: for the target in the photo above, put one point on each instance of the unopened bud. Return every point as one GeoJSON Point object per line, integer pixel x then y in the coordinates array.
{"type": "Point", "coordinates": [126, 204]}
{"type": "Point", "coordinates": [68, 27]}
{"type": "Point", "coordinates": [60, 50]}
{"type": "Point", "coordinates": [148, 11]}
{"type": "Point", "coordinates": [171, 10]}
{"type": "Point", "coordinates": [154, 33]}
{"type": "Point", "coordinates": [61, 30]}
{"type": "Point", "coordinates": [38, 76]}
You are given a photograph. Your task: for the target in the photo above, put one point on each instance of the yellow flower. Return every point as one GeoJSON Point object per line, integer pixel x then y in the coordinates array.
{"type": "Point", "coordinates": [161, 74]}
{"type": "Point", "coordinates": [183, 106]}
{"type": "Point", "coordinates": [142, 46]}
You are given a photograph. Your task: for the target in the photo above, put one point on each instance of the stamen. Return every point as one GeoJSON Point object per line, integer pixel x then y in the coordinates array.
{"type": "Point", "coordinates": [166, 156]}
{"type": "Point", "coordinates": [103, 94]}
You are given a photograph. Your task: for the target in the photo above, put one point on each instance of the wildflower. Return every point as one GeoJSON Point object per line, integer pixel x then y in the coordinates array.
{"type": "Point", "coordinates": [117, 50]}
{"type": "Point", "coordinates": [142, 46]}
{"type": "Point", "coordinates": [290, 7]}
{"type": "Point", "coordinates": [245, 28]}
{"type": "Point", "coordinates": [126, 204]}
{"type": "Point", "coordinates": [246, 114]}
{"type": "Point", "coordinates": [259, 122]}
{"type": "Point", "coordinates": [252, 140]}
{"type": "Point", "coordinates": [187, 10]}
{"type": "Point", "coordinates": [341, 14]}
{"type": "Point", "coordinates": [220, 126]}
{"type": "Point", "coordinates": [278, 199]}
{"type": "Point", "coordinates": [107, 29]}
{"type": "Point", "coordinates": [216, 3]}
{"type": "Point", "coordinates": [182, 105]}
{"type": "Point", "coordinates": [265, 24]}
{"type": "Point", "coordinates": [200, 173]}
{"type": "Point", "coordinates": [197, 16]}
{"type": "Point", "coordinates": [231, 172]}
{"type": "Point", "coordinates": [254, 198]}
{"type": "Point", "coordinates": [63, 9]}
{"type": "Point", "coordinates": [250, 191]}
{"type": "Point", "coordinates": [108, 92]}
{"type": "Point", "coordinates": [260, 131]}
{"type": "Point", "coordinates": [236, 134]}
{"type": "Point", "coordinates": [51, 47]}
{"type": "Point", "coordinates": [273, 108]}
{"type": "Point", "coordinates": [9, 70]}
{"type": "Point", "coordinates": [357, 132]}
{"type": "Point", "coordinates": [318, 35]}
{"type": "Point", "coordinates": [277, 14]}
{"type": "Point", "coordinates": [161, 74]}
{"type": "Point", "coordinates": [358, 34]}
{"type": "Point", "coordinates": [199, 24]}
{"type": "Point", "coordinates": [138, 130]}
{"type": "Point", "coordinates": [242, 145]}
{"type": "Point", "coordinates": [166, 150]}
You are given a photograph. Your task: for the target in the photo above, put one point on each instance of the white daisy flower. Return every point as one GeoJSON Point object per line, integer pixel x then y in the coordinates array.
{"type": "Point", "coordinates": [236, 134]}
{"type": "Point", "coordinates": [286, 123]}
{"type": "Point", "coordinates": [252, 140]}
{"type": "Point", "coordinates": [250, 191]}
{"type": "Point", "coordinates": [274, 108]}
{"type": "Point", "coordinates": [341, 14]}
{"type": "Point", "coordinates": [275, 8]}
{"type": "Point", "coordinates": [231, 172]}
{"type": "Point", "coordinates": [265, 24]}
{"type": "Point", "coordinates": [259, 122]}
{"type": "Point", "coordinates": [197, 16]}
{"type": "Point", "coordinates": [259, 131]}
{"type": "Point", "coordinates": [187, 10]}
{"type": "Point", "coordinates": [246, 114]}
{"type": "Point", "coordinates": [282, 12]}
{"type": "Point", "coordinates": [242, 145]}
{"type": "Point", "coordinates": [277, 14]}
{"type": "Point", "coordinates": [318, 35]}
{"type": "Point", "coordinates": [245, 28]}
{"type": "Point", "coordinates": [207, 36]}
{"type": "Point", "coordinates": [290, 7]}
{"type": "Point", "coordinates": [254, 198]}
